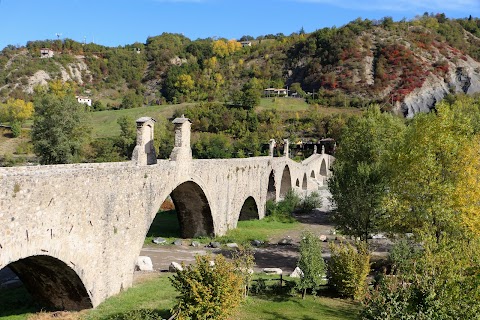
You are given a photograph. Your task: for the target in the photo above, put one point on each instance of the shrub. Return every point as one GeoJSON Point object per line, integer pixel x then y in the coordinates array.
{"type": "Point", "coordinates": [16, 129]}
{"type": "Point", "coordinates": [389, 300]}
{"type": "Point", "coordinates": [244, 261]}
{"type": "Point", "coordinates": [310, 202]}
{"type": "Point", "coordinates": [311, 263]}
{"type": "Point", "coordinates": [348, 269]}
{"type": "Point", "coordinates": [207, 292]}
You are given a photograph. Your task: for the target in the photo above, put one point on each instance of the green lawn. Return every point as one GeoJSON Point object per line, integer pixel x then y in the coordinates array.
{"type": "Point", "coordinates": [283, 104]}
{"type": "Point", "coordinates": [104, 123]}
{"type": "Point", "coordinates": [166, 225]}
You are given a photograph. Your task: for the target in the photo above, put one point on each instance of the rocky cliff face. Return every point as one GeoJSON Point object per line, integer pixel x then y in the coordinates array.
{"type": "Point", "coordinates": [463, 77]}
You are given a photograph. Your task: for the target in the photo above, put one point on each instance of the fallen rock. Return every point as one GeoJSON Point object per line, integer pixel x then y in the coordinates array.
{"type": "Point", "coordinates": [256, 243]}
{"type": "Point", "coordinates": [323, 238]}
{"type": "Point", "coordinates": [215, 245]}
{"type": "Point", "coordinates": [285, 241]}
{"type": "Point", "coordinates": [159, 240]}
{"type": "Point", "coordinates": [174, 266]}
{"type": "Point", "coordinates": [196, 244]}
{"type": "Point", "coordinates": [273, 270]}
{"type": "Point", "coordinates": [297, 273]}
{"type": "Point", "coordinates": [144, 263]}
{"type": "Point", "coordinates": [178, 242]}
{"type": "Point", "coordinates": [232, 245]}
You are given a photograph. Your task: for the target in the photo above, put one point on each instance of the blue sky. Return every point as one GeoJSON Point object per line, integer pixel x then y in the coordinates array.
{"type": "Point", "coordinates": [120, 22]}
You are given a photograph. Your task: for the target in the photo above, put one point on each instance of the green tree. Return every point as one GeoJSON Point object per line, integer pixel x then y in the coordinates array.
{"type": "Point", "coordinates": [433, 188]}
{"type": "Point", "coordinates": [348, 269]}
{"type": "Point", "coordinates": [311, 263]}
{"type": "Point", "coordinates": [60, 130]}
{"type": "Point", "coordinates": [360, 178]}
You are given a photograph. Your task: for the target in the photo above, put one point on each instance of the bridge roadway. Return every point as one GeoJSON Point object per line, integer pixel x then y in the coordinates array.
{"type": "Point", "coordinates": [72, 233]}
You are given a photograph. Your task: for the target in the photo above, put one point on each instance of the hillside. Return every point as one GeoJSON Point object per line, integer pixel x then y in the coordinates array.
{"type": "Point", "coordinates": [406, 66]}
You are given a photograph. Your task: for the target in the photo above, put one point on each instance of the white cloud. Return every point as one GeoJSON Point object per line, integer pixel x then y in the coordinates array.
{"type": "Point", "coordinates": [402, 5]}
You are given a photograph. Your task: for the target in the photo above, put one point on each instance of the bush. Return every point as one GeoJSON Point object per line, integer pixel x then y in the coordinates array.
{"type": "Point", "coordinates": [282, 211]}
{"type": "Point", "coordinates": [207, 292]}
{"type": "Point", "coordinates": [310, 202]}
{"type": "Point", "coordinates": [311, 263]}
{"type": "Point", "coordinates": [16, 129]}
{"type": "Point", "coordinates": [244, 260]}
{"type": "Point", "coordinates": [348, 269]}
{"type": "Point", "coordinates": [389, 300]}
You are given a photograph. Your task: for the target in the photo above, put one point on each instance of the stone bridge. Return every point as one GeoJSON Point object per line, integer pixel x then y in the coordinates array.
{"type": "Point", "coordinates": [72, 233]}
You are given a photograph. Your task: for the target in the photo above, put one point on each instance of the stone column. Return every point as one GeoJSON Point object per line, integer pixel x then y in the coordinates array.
{"type": "Point", "coordinates": [144, 152]}
{"type": "Point", "coordinates": [271, 147]}
{"type": "Point", "coordinates": [182, 149]}
{"type": "Point", "coordinates": [314, 149]}
{"type": "Point", "coordinates": [323, 149]}
{"type": "Point", "coordinates": [286, 147]}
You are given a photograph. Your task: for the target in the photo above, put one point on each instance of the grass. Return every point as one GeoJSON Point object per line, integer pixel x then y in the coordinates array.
{"type": "Point", "coordinates": [16, 303]}
{"type": "Point", "coordinates": [283, 104]}
{"type": "Point", "coordinates": [156, 296]}
{"type": "Point", "coordinates": [262, 230]}
{"type": "Point", "coordinates": [104, 123]}
{"type": "Point", "coordinates": [290, 308]}
{"type": "Point", "coordinates": [166, 225]}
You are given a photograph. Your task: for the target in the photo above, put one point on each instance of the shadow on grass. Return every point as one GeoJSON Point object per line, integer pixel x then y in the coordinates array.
{"type": "Point", "coordinates": [165, 225]}
{"type": "Point", "coordinates": [139, 314]}
{"type": "Point", "coordinates": [17, 301]}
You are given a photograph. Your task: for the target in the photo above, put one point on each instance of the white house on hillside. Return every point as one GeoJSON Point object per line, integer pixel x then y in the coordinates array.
{"type": "Point", "coordinates": [84, 100]}
{"type": "Point", "coordinates": [46, 53]}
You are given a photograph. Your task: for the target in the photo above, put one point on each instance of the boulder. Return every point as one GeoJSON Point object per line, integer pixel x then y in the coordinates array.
{"type": "Point", "coordinates": [174, 266]}
{"type": "Point", "coordinates": [297, 273]}
{"type": "Point", "coordinates": [256, 243]}
{"type": "Point", "coordinates": [159, 241]}
{"type": "Point", "coordinates": [144, 263]}
{"type": "Point", "coordinates": [196, 244]}
{"type": "Point", "coordinates": [272, 270]}
{"type": "Point", "coordinates": [178, 242]}
{"type": "Point", "coordinates": [232, 245]}
{"type": "Point", "coordinates": [323, 238]}
{"type": "Point", "coordinates": [215, 245]}
{"type": "Point", "coordinates": [285, 241]}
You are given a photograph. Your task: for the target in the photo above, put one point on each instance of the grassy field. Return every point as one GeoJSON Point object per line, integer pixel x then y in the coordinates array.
{"type": "Point", "coordinates": [104, 123]}
{"type": "Point", "coordinates": [155, 295]}
{"type": "Point", "coordinates": [296, 104]}
{"type": "Point", "coordinates": [166, 225]}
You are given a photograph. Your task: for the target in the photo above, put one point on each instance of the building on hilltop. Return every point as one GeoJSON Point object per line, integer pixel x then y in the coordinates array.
{"type": "Point", "coordinates": [46, 53]}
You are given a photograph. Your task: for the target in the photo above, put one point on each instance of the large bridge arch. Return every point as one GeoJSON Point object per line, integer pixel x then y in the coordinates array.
{"type": "Point", "coordinates": [52, 283]}
{"type": "Point", "coordinates": [249, 210]}
{"type": "Point", "coordinates": [286, 182]}
{"type": "Point", "coordinates": [193, 210]}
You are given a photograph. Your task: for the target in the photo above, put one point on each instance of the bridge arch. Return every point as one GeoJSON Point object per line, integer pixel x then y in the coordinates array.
{"type": "Point", "coordinates": [304, 182]}
{"type": "Point", "coordinates": [52, 283]}
{"type": "Point", "coordinates": [193, 210]}
{"type": "Point", "coordinates": [323, 168]}
{"type": "Point", "coordinates": [297, 183]}
{"type": "Point", "coordinates": [249, 210]}
{"type": "Point", "coordinates": [272, 190]}
{"type": "Point", "coordinates": [286, 182]}
{"type": "Point", "coordinates": [312, 174]}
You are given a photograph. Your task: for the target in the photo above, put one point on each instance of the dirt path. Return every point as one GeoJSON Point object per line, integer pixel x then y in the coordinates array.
{"type": "Point", "coordinates": [272, 255]}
